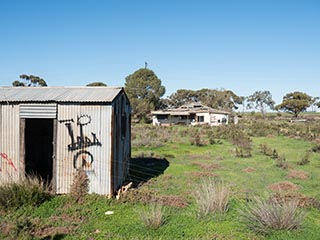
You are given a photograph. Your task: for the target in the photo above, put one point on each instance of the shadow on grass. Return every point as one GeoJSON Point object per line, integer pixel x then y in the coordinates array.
{"type": "Point", "coordinates": [144, 168]}
{"type": "Point", "coordinates": [55, 237]}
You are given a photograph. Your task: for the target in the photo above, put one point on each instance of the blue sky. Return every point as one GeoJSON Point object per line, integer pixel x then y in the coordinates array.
{"type": "Point", "coordinates": [241, 45]}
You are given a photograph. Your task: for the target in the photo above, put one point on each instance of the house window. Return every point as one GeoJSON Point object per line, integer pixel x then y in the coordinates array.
{"type": "Point", "coordinates": [200, 118]}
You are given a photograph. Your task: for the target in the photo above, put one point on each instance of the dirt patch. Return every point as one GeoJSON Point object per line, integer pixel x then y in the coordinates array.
{"type": "Point", "coordinates": [6, 228]}
{"type": "Point", "coordinates": [198, 174]}
{"type": "Point", "coordinates": [298, 174]}
{"type": "Point", "coordinates": [200, 157]}
{"type": "Point", "coordinates": [248, 170]}
{"type": "Point", "coordinates": [48, 232]}
{"type": "Point", "coordinates": [206, 166]}
{"type": "Point", "coordinates": [283, 186]}
{"type": "Point", "coordinates": [302, 200]}
{"type": "Point", "coordinates": [172, 201]}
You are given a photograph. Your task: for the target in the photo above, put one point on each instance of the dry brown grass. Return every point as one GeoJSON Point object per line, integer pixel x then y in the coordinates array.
{"type": "Point", "coordinates": [153, 216]}
{"type": "Point", "coordinates": [172, 201]}
{"type": "Point", "coordinates": [206, 166]}
{"type": "Point", "coordinates": [302, 200]}
{"type": "Point", "coordinates": [298, 174]}
{"type": "Point", "coordinates": [265, 216]}
{"type": "Point", "coordinates": [284, 186]}
{"type": "Point", "coordinates": [198, 174]}
{"type": "Point", "coordinates": [248, 170]}
{"type": "Point", "coordinates": [211, 197]}
{"type": "Point", "coordinates": [80, 186]}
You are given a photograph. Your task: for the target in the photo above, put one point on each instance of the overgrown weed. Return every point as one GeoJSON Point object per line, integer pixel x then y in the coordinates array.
{"type": "Point", "coordinates": [263, 216]}
{"type": "Point", "coordinates": [212, 197]}
{"type": "Point", "coordinates": [31, 191]}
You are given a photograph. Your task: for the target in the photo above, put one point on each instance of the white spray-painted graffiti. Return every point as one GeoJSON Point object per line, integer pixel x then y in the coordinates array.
{"type": "Point", "coordinates": [83, 159]}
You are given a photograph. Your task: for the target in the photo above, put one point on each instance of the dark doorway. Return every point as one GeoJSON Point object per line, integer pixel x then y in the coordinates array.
{"type": "Point", "coordinates": [39, 148]}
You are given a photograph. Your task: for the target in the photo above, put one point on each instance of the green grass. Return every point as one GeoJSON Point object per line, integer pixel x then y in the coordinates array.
{"type": "Point", "coordinates": [61, 218]}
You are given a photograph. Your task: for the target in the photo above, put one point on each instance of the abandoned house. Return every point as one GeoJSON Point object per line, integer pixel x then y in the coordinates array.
{"type": "Point", "coordinates": [193, 114]}
{"type": "Point", "coordinates": [55, 131]}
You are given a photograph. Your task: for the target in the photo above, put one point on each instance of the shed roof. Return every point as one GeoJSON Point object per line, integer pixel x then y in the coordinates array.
{"type": "Point", "coordinates": [59, 94]}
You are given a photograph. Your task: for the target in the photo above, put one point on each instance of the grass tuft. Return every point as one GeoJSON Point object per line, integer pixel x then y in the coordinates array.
{"type": "Point", "coordinates": [264, 217]}
{"type": "Point", "coordinates": [32, 191]}
{"type": "Point", "coordinates": [152, 217]}
{"type": "Point", "coordinates": [212, 197]}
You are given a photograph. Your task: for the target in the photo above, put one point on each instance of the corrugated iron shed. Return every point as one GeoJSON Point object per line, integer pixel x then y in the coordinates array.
{"type": "Point", "coordinates": [55, 131]}
{"type": "Point", "coordinates": [58, 94]}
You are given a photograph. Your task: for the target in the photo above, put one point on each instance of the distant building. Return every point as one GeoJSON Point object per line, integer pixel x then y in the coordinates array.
{"type": "Point", "coordinates": [190, 114]}
{"type": "Point", "coordinates": [55, 131]}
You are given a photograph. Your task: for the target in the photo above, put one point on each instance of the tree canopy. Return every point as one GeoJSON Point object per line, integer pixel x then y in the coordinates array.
{"type": "Point", "coordinates": [144, 91]}
{"type": "Point", "coordinates": [295, 103]}
{"type": "Point", "coordinates": [261, 100]}
{"type": "Point", "coordinates": [96, 84]}
{"type": "Point", "coordinates": [219, 99]}
{"type": "Point", "coordinates": [29, 81]}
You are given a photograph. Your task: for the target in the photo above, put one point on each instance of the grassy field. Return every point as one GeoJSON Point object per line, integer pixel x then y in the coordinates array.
{"type": "Point", "coordinates": [167, 167]}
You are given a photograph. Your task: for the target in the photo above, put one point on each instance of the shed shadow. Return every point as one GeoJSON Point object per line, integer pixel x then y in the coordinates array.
{"type": "Point", "coordinates": [144, 168]}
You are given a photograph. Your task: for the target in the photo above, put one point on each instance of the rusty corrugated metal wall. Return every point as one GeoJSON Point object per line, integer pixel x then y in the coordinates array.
{"type": "Point", "coordinates": [9, 143]}
{"type": "Point", "coordinates": [121, 141]}
{"type": "Point", "coordinates": [84, 141]}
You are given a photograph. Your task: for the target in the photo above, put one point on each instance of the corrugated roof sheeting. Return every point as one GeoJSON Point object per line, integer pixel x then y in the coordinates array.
{"type": "Point", "coordinates": [96, 129]}
{"type": "Point", "coordinates": [36, 110]}
{"type": "Point", "coordinates": [9, 143]}
{"type": "Point", "coordinates": [58, 94]}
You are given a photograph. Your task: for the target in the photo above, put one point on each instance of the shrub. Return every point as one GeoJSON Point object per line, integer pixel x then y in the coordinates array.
{"type": "Point", "coordinates": [281, 162]}
{"type": "Point", "coordinates": [275, 154]}
{"type": "Point", "coordinates": [152, 217]}
{"type": "Point", "coordinates": [211, 197]}
{"type": "Point", "coordinates": [32, 191]}
{"type": "Point", "coordinates": [266, 216]}
{"type": "Point", "coordinates": [316, 148]}
{"type": "Point", "coordinates": [305, 159]}
{"type": "Point", "coordinates": [266, 150]}
{"type": "Point", "coordinates": [242, 142]}
{"type": "Point", "coordinates": [80, 186]}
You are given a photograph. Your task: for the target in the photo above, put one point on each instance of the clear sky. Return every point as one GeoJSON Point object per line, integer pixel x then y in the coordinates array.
{"type": "Point", "coordinates": [241, 45]}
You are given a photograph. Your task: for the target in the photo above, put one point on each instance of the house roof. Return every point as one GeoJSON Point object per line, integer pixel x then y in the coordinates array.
{"type": "Point", "coordinates": [58, 94]}
{"type": "Point", "coordinates": [188, 109]}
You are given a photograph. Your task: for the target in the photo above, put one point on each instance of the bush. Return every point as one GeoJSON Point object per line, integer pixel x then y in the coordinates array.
{"type": "Point", "coordinates": [281, 162]}
{"type": "Point", "coordinates": [266, 216]}
{"type": "Point", "coordinates": [32, 191]}
{"type": "Point", "coordinates": [266, 150]}
{"type": "Point", "coordinates": [305, 159]}
{"type": "Point", "coordinates": [152, 217]}
{"type": "Point", "coordinates": [80, 186]}
{"type": "Point", "coordinates": [196, 140]}
{"type": "Point", "coordinates": [211, 197]}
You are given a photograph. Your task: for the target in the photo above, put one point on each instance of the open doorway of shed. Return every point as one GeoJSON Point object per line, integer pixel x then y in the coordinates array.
{"type": "Point", "coordinates": [39, 148]}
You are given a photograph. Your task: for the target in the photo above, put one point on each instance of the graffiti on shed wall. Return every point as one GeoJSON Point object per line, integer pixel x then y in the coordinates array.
{"type": "Point", "coordinates": [8, 160]}
{"type": "Point", "coordinates": [83, 158]}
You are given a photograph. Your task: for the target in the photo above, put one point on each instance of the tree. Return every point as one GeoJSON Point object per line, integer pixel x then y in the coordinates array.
{"type": "Point", "coordinates": [96, 84]}
{"type": "Point", "coordinates": [295, 103]}
{"type": "Point", "coordinates": [261, 100]}
{"type": "Point", "coordinates": [181, 97]}
{"type": "Point", "coordinates": [144, 91]}
{"type": "Point", "coordinates": [219, 99]}
{"type": "Point", "coordinates": [29, 81]}
{"type": "Point", "coordinates": [227, 100]}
